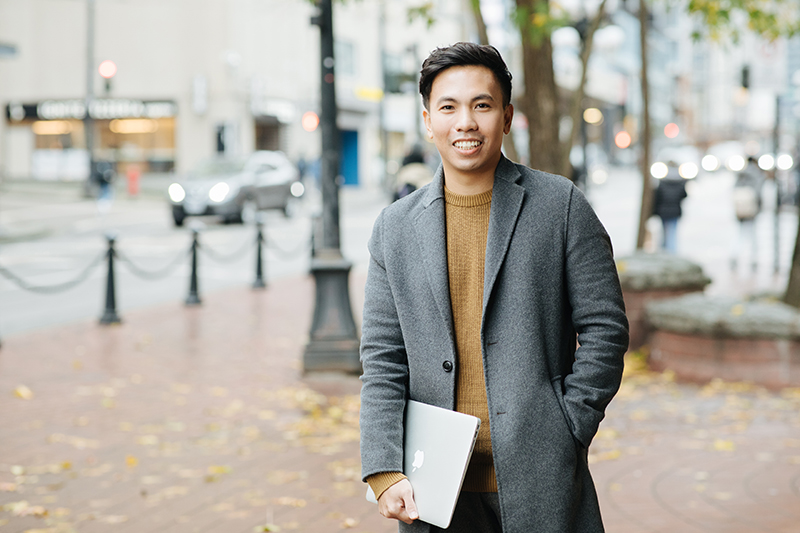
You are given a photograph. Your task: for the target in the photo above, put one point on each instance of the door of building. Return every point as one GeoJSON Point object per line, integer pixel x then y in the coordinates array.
{"type": "Point", "coordinates": [348, 166]}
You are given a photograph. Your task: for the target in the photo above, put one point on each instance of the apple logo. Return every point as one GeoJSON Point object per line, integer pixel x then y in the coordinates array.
{"type": "Point", "coordinates": [419, 458]}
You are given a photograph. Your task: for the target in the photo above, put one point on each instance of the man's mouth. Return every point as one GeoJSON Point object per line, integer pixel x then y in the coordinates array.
{"type": "Point", "coordinates": [467, 145]}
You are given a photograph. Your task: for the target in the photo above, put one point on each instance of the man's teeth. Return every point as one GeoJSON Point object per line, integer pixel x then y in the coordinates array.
{"type": "Point", "coordinates": [466, 145]}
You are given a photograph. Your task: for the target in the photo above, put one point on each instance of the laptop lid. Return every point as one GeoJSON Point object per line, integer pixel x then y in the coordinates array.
{"type": "Point", "coordinates": [438, 445]}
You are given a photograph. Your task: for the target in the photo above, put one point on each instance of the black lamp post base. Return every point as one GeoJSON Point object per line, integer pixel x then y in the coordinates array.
{"type": "Point", "coordinates": [334, 343]}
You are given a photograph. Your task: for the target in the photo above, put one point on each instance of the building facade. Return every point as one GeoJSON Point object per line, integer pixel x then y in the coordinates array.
{"type": "Point", "coordinates": [196, 78]}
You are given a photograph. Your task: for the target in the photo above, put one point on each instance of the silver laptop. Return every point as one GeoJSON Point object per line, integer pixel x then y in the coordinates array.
{"type": "Point", "coordinates": [437, 447]}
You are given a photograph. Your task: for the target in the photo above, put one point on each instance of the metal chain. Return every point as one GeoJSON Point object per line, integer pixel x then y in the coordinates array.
{"type": "Point", "coordinates": [287, 254]}
{"type": "Point", "coordinates": [152, 274]}
{"type": "Point", "coordinates": [224, 258]}
{"type": "Point", "coordinates": [60, 287]}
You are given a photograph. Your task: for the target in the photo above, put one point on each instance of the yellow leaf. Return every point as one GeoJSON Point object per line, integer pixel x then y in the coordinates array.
{"type": "Point", "coordinates": [77, 364]}
{"type": "Point", "coordinates": [349, 523]}
{"type": "Point", "coordinates": [23, 392]}
{"type": "Point", "coordinates": [218, 469]}
{"type": "Point", "coordinates": [737, 310]}
{"type": "Point", "coordinates": [8, 487]}
{"type": "Point", "coordinates": [266, 527]}
{"type": "Point", "coordinates": [131, 461]}
{"type": "Point", "coordinates": [66, 465]}
{"type": "Point", "coordinates": [721, 445]}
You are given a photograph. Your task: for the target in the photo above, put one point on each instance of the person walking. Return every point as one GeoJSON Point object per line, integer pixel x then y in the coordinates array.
{"type": "Point", "coordinates": [669, 194]}
{"type": "Point", "coordinates": [491, 291]}
{"type": "Point", "coordinates": [747, 205]}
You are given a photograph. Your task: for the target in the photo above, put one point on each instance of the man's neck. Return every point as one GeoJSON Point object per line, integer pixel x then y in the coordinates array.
{"type": "Point", "coordinates": [468, 184]}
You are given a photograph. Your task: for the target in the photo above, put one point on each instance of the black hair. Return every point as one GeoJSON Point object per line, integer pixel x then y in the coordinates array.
{"type": "Point", "coordinates": [461, 55]}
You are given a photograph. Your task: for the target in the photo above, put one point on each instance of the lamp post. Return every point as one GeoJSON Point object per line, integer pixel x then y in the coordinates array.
{"type": "Point", "coordinates": [333, 344]}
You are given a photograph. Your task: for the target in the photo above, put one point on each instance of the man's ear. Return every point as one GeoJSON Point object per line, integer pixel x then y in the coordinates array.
{"type": "Point", "coordinates": [508, 116]}
{"type": "Point", "coordinates": [427, 118]}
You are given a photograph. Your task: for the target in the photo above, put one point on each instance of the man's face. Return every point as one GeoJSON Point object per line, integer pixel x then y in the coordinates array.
{"type": "Point", "coordinates": [467, 121]}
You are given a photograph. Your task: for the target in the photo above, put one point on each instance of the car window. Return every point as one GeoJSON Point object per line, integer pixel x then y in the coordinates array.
{"type": "Point", "coordinates": [266, 167]}
{"type": "Point", "coordinates": [216, 167]}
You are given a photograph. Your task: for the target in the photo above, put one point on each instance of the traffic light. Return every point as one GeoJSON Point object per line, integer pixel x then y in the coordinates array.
{"type": "Point", "coordinates": [107, 69]}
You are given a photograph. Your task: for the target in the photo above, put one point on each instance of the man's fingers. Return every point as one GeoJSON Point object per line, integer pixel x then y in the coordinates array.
{"type": "Point", "coordinates": [411, 508]}
{"type": "Point", "coordinates": [398, 502]}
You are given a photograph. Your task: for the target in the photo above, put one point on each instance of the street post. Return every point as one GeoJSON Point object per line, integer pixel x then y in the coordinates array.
{"type": "Point", "coordinates": [333, 341]}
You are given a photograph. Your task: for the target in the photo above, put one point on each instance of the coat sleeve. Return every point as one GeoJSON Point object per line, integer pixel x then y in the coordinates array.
{"type": "Point", "coordinates": [598, 316]}
{"type": "Point", "coordinates": [385, 377]}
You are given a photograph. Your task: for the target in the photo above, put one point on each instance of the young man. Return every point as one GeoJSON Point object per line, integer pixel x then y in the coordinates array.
{"type": "Point", "coordinates": [479, 285]}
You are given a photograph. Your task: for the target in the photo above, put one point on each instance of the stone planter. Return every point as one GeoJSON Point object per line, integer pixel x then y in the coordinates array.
{"type": "Point", "coordinates": [702, 338]}
{"type": "Point", "coordinates": [649, 277]}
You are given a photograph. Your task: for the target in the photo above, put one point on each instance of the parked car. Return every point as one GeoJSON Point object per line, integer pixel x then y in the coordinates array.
{"type": "Point", "coordinates": [235, 189]}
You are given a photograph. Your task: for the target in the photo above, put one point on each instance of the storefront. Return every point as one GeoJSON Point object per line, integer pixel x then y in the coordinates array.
{"type": "Point", "coordinates": [49, 137]}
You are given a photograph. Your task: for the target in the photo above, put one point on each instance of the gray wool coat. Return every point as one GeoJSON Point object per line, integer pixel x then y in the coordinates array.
{"type": "Point", "coordinates": [549, 275]}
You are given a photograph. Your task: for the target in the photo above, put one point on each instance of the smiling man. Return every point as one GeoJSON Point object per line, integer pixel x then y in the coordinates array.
{"type": "Point", "coordinates": [479, 286]}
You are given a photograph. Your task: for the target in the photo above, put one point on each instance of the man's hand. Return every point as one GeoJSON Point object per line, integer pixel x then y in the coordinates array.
{"type": "Point", "coordinates": [398, 502]}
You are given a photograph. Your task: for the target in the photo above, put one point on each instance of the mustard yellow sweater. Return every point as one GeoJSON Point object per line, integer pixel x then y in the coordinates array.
{"type": "Point", "coordinates": [467, 223]}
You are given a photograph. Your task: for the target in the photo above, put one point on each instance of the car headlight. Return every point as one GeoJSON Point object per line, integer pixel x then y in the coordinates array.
{"type": "Point", "coordinates": [297, 189]}
{"type": "Point", "coordinates": [176, 193]}
{"type": "Point", "coordinates": [710, 163]}
{"type": "Point", "coordinates": [659, 170]}
{"type": "Point", "coordinates": [219, 192]}
{"type": "Point", "coordinates": [688, 171]}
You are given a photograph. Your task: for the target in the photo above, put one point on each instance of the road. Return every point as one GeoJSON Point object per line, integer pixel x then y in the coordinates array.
{"type": "Point", "coordinates": [48, 234]}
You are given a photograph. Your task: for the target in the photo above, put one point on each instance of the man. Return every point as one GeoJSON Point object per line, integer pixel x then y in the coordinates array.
{"type": "Point", "coordinates": [477, 286]}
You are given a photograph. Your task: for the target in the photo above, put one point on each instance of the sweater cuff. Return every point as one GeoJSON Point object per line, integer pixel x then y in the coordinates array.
{"type": "Point", "coordinates": [383, 480]}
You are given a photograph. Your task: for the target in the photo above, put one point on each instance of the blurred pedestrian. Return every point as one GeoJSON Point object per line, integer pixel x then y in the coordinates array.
{"type": "Point", "coordinates": [104, 174]}
{"type": "Point", "coordinates": [669, 194]}
{"type": "Point", "coordinates": [414, 174]}
{"type": "Point", "coordinates": [747, 205]}
{"type": "Point", "coordinates": [478, 286]}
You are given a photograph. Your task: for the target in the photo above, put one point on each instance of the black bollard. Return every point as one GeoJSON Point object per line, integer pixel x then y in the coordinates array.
{"type": "Point", "coordinates": [193, 298]}
{"type": "Point", "coordinates": [110, 315]}
{"type": "Point", "coordinates": [259, 282]}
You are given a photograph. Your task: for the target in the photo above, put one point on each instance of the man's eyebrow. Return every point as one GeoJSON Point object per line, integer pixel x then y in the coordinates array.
{"type": "Point", "coordinates": [448, 99]}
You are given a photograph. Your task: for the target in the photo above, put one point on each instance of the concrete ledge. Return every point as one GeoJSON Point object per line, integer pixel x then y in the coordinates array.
{"type": "Point", "coordinates": [649, 277]}
{"type": "Point", "coordinates": [645, 272]}
{"type": "Point", "coordinates": [701, 339]}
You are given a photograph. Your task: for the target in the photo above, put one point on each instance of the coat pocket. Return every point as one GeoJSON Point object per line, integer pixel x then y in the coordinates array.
{"type": "Point", "coordinates": [557, 384]}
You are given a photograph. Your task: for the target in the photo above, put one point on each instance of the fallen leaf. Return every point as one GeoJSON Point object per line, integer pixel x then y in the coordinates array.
{"type": "Point", "coordinates": [23, 392]}
{"type": "Point", "coordinates": [349, 523]}
{"type": "Point", "coordinates": [8, 487]}
{"type": "Point", "coordinates": [721, 445]}
{"type": "Point", "coordinates": [266, 527]}
{"type": "Point", "coordinates": [131, 461]}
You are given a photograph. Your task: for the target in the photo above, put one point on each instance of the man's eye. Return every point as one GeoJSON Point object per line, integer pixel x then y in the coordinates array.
{"type": "Point", "coordinates": [446, 108]}
{"type": "Point", "coordinates": [482, 106]}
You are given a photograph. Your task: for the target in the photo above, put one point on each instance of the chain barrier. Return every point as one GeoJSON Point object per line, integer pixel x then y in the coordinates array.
{"type": "Point", "coordinates": [59, 287]}
{"type": "Point", "coordinates": [226, 258]}
{"type": "Point", "coordinates": [152, 274]}
{"type": "Point", "coordinates": [287, 254]}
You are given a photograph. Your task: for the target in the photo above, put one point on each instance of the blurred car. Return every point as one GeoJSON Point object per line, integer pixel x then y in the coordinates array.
{"type": "Point", "coordinates": [729, 154]}
{"type": "Point", "coordinates": [686, 156]}
{"type": "Point", "coordinates": [235, 189]}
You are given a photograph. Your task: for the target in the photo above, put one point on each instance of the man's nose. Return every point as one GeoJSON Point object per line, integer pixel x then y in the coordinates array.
{"type": "Point", "coordinates": [466, 121]}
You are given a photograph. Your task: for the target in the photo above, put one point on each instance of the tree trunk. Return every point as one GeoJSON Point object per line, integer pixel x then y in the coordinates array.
{"type": "Point", "coordinates": [540, 101]}
{"type": "Point", "coordinates": [792, 296]}
{"type": "Point", "coordinates": [576, 103]}
{"type": "Point", "coordinates": [647, 187]}
{"type": "Point", "coordinates": [508, 141]}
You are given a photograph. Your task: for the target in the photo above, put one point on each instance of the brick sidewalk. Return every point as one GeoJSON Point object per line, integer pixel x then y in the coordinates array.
{"type": "Point", "coordinates": [198, 420]}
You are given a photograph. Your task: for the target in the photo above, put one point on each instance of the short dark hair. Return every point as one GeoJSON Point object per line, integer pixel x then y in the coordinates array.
{"type": "Point", "coordinates": [462, 55]}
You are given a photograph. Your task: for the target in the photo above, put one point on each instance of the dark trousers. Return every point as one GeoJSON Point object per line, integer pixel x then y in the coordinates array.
{"type": "Point", "coordinates": [476, 512]}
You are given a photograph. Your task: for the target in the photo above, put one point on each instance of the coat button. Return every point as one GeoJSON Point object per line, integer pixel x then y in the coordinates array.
{"type": "Point", "coordinates": [448, 366]}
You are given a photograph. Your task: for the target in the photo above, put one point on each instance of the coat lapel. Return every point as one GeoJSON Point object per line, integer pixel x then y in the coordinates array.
{"type": "Point", "coordinates": [507, 199]}
{"type": "Point", "coordinates": [432, 240]}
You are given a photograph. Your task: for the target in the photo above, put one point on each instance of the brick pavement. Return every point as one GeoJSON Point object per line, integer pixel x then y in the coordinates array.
{"type": "Point", "coordinates": [199, 420]}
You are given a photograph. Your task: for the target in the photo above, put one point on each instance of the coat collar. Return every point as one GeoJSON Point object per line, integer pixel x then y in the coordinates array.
{"type": "Point", "coordinates": [507, 198]}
